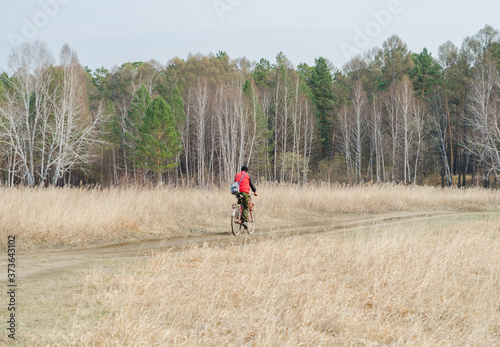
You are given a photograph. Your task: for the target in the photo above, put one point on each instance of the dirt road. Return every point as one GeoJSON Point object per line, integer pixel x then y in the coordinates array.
{"type": "Point", "coordinates": [53, 263]}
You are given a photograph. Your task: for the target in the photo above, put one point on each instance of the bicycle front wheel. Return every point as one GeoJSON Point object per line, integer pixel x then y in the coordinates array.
{"type": "Point", "coordinates": [251, 223]}
{"type": "Point", "coordinates": [235, 222]}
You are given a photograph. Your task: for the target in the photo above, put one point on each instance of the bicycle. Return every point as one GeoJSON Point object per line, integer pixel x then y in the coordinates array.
{"type": "Point", "coordinates": [237, 211]}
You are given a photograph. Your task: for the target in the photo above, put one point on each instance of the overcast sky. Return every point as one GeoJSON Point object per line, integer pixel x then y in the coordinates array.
{"type": "Point", "coordinates": [109, 32]}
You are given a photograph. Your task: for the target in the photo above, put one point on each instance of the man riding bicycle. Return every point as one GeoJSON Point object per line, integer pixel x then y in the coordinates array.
{"type": "Point", "coordinates": [245, 185]}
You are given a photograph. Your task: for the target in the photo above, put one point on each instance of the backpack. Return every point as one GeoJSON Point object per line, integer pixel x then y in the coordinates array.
{"type": "Point", "coordinates": [235, 187]}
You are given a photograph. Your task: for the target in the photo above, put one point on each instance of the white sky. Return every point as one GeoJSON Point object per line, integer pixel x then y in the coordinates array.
{"type": "Point", "coordinates": [109, 32]}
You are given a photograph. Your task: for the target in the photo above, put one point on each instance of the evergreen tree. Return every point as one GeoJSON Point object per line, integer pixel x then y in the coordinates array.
{"type": "Point", "coordinates": [4, 77]}
{"type": "Point", "coordinates": [305, 72]}
{"type": "Point", "coordinates": [177, 106]}
{"type": "Point", "coordinates": [395, 61]}
{"type": "Point", "coordinates": [134, 120]}
{"type": "Point", "coordinates": [99, 77]}
{"type": "Point", "coordinates": [112, 136]}
{"type": "Point", "coordinates": [341, 88]}
{"type": "Point", "coordinates": [321, 88]}
{"type": "Point", "coordinates": [261, 72]}
{"type": "Point", "coordinates": [159, 142]}
{"type": "Point", "coordinates": [281, 58]}
{"type": "Point", "coordinates": [426, 73]}
{"type": "Point", "coordinates": [2, 89]}
{"type": "Point", "coordinates": [4, 80]}
{"type": "Point", "coordinates": [112, 127]}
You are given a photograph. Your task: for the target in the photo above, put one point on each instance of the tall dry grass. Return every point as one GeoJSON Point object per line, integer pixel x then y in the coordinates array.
{"type": "Point", "coordinates": [80, 216]}
{"type": "Point", "coordinates": [404, 286]}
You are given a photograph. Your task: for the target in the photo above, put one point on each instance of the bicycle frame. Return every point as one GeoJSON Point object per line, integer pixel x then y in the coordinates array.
{"type": "Point", "coordinates": [237, 212]}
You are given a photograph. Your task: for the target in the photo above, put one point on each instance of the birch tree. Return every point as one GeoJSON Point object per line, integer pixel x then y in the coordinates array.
{"type": "Point", "coordinates": [74, 131]}
{"type": "Point", "coordinates": [419, 116]}
{"type": "Point", "coordinates": [440, 126]}
{"type": "Point", "coordinates": [377, 138]}
{"type": "Point", "coordinates": [359, 103]}
{"type": "Point", "coordinates": [405, 100]}
{"type": "Point", "coordinates": [45, 120]}
{"type": "Point", "coordinates": [25, 116]}
{"type": "Point", "coordinates": [394, 120]}
{"type": "Point", "coordinates": [346, 135]}
{"type": "Point", "coordinates": [484, 119]}
{"type": "Point", "coordinates": [200, 106]}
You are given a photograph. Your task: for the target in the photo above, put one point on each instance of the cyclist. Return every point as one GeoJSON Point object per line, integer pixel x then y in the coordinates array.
{"type": "Point", "coordinates": [245, 185]}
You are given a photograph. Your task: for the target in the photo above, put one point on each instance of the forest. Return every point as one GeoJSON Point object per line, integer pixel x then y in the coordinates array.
{"type": "Point", "coordinates": [387, 116]}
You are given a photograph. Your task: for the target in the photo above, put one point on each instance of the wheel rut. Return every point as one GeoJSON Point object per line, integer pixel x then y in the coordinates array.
{"type": "Point", "coordinates": [49, 263]}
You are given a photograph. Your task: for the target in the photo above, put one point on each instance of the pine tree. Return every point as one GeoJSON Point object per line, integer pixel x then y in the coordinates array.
{"type": "Point", "coordinates": [2, 90]}
{"type": "Point", "coordinates": [112, 138]}
{"type": "Point", "coordinates": [179, 114]}
{"type": "Point", "coordinates": [321, 88]}
{"type": "Point", "coordinates": [112, 128]}
{"type": "Point", "coordinates": [396, 61]}
{"type": "Point", "coordinates": [133, 123]}
{"type": "Point", "coordinates": [177, 106]}
{"type": "Point", "coordinates": [159, 141]}
{"type": "Point", "coordinates": [4, 81]}
{"type": "Point", "coordinates": [426, 73]}
{"type": "Point", "coordinates": [261, 72]}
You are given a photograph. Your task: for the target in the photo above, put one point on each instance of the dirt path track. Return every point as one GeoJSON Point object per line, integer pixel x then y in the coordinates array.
{"type": "Point", "coordinates": [53, 263]}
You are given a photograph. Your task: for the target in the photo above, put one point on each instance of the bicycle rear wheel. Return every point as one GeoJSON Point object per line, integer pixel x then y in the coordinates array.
{"type": "Point", "coordinates": [251, 223]}
{"type": "Point", "coordinates": [235, 222]}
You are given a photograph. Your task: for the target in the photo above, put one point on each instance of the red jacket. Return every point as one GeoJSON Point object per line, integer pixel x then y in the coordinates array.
{"type": "Point", "coordinates": [246, 183]}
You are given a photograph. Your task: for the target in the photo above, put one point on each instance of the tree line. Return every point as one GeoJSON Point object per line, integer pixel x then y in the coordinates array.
{"type": "Point", "coordinates": [390, 115]}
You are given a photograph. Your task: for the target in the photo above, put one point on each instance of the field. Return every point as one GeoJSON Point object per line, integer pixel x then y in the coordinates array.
{"type": "Point", "coordinates": [79, 217]}
{"type": "Point", "coordinates": [367, 266]}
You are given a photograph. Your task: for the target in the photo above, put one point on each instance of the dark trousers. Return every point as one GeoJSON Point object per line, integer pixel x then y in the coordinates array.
{"type": "Point", "coordinates": [244, 203]}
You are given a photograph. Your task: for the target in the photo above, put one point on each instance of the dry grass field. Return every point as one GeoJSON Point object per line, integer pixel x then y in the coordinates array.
{"type": "Point", "coordinates": [408, 285]}
{"type": "Point", "coordinates": [427, 281]}
{"type": "Point", "coordinates": [75, 217]}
